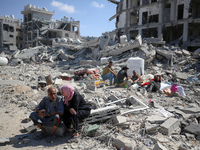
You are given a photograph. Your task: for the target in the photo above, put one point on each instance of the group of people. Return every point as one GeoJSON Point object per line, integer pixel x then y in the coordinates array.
{"type": "Point", "coordinates": [53, 109]}
{"type": "Point", "coordinates": [73, 108]}
{"type": "Point", "coordinates": [121, 79]}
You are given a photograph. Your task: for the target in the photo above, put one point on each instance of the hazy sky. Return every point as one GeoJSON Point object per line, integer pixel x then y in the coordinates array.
{"type": "Point", "coordinates": [93, 14]}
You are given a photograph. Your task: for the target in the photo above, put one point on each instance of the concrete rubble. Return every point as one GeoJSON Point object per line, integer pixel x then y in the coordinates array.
{"type": "Point", "coordinates": [123, 118]}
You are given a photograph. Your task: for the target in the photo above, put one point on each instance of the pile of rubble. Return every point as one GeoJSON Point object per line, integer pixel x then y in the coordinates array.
{"type": "Point", "coordinates": [123, 118]}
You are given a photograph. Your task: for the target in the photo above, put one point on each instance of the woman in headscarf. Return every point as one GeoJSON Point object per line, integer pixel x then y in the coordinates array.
{"type": "Point", "coordinates": [75, 108]}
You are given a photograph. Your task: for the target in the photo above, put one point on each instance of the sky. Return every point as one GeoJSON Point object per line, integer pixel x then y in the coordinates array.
{"type": "Point", "coordinates": [93, 14]}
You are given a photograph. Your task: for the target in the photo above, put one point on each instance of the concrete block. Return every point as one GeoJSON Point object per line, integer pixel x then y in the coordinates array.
{"type": "Point", "coordinates": [151, 128]}
{"type": "Point", "coordinates": [119, 120]}
{"type": "Point", "coordinates": [122, 142]}
{"type": "Point", "coordinates": [59, 131]}
{"type": "Point", "coordinates": [159, 146]}
{"type": "Point", "coordinates": [193, 129]}
{"type": "Point", "coordinates": [92, 88]}
{"type": "Point", "coordinates": [156, 119]}
{"type": "Point", "coordinates": [182, 76]}
{"type": "Point", "coordinates": [169, 126]}
{"type": "Point", "coordinates": [29, 126]}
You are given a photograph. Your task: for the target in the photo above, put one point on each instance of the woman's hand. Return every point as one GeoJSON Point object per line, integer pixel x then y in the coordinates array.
{"type": "Point", "coordinates": [72, 111]}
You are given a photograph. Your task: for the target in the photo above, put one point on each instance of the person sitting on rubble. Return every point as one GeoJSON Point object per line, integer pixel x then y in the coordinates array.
{"type": "Point", "coordinates": [49, 110]}
{"type": "Point", "coordinates": [154, 84]}
{"type": "Point", "coordinates": [76, 109]}
{"type": "Point", "coordinates": [120, 77]}
{"type": "Point", "coordinates": [109, 73]}
{"type": "Point", "coordinates": [136, 78]}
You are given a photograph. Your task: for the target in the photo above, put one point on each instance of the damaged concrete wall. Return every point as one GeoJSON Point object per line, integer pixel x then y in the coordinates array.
{"type": "Point", "coordinates": [175, 20]}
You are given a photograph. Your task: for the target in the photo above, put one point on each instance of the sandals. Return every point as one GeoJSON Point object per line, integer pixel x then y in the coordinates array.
{"type": "Point", "coordinates": [51, 139]}
{"type": "Point", "coordinates": [74, 139]}
{"type": "Point", "coordinates": [41, 136]}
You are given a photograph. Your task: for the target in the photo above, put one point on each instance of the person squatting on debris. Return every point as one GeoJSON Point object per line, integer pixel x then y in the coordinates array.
{"type": "Point", "coordinates": [120, 77]}
{"type": "Point", "coordinates": [51, 108]}
{"type": "Point", "coordinates": [75, 109]}
{"type": "Point", "coordinates": [109, 73]}
{"type": "Point", "coordinates": [154, 85]}
{"type": "Point", "coordinates": [136, 78]}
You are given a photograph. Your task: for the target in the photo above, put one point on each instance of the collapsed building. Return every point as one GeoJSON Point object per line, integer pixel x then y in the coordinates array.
{"type": "Point", "coordinates": [38, 28]}
{"type": "Point", "coordinates": [176, 21]}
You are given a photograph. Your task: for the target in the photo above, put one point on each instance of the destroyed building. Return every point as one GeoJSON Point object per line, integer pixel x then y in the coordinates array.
{"type": "Point", "coordinates": [176, 21]}
{"type": "Point", "coordinates": [9, 32]}
{"type": "Point", "coordinates": [38, 27]}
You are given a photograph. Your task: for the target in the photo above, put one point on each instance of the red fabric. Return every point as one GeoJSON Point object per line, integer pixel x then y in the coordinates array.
{"type": "Point", "coordinates": [146, 83]}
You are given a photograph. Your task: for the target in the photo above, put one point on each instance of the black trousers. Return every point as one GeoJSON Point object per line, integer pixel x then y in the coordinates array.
{"type": "Point", "coordinates": [73, 120]}
{"type": "Point", "coordinates": [153, 86]}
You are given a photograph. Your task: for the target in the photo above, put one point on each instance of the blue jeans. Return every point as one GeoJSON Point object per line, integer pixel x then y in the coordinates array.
{"type": "Point", "coordinates": [110, 76]}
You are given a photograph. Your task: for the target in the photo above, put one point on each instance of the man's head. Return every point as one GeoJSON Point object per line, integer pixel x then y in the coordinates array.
{"type": "Point", "coordinates": [52, 93]}
{"type": "Point", "coordinates": [110, 63]}
{"type": "Point", "coordinates": [125, 68]}
{"type": "Point", "coordinates": [134, 72]}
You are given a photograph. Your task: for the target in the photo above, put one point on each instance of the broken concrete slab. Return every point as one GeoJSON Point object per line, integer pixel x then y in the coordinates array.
{"type": "Point", "coordinates": [156, 119]}
{"type": "Point", "coordinates": [166, 54]}
{"type": "Point", "coordinates": [189, 109]}
{"type": "Point", "coordinates": [157, 41]}
{"type": "Point", "coordinates": [193, 128]}
{"type": "Point", "coordinates": [29, 126]}
{"type": "Point", "coordinates": [28, 53]}
{"type": "Point", "coordinates": [137, 43]}
{"type": "Point", "coordinates": [118, 120]}
{"type": "Point", "coordinates": [159, 146]}
{"type": "Point", "coordinates": [184, 115]}
{"type": "Point", "coordinates": [181, 75]}
{"type": "Point", "coordinates": [122, 142]}
{"type": "Point", "coordinates": [186, 53]}
{"type": "Point", "coordinates": [169, 126]}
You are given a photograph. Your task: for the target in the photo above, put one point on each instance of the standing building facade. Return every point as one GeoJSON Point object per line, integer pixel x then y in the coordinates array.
{"type": "Point", "coordinates": [9, 33]}
{"type": "Point", "coordinates": [174, 20]}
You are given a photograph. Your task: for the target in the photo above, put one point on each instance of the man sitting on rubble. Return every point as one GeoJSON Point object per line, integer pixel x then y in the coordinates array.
{"type": "Point", "coordinates": [120, 77]}
{"type": "Point", "coordinates": [109, 73]}
{"type": "Point", "coordinates": [51, 108]}
{"type": "Point", "coordinates": [136, 78]}
{"type": "Point", "coordinates": [154, 84]}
